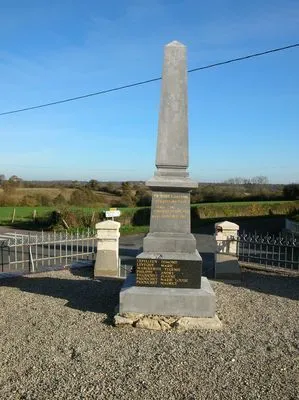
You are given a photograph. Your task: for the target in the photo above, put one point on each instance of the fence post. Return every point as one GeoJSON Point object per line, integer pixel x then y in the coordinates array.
{"type": "Point", "coordinates": [226, 234]}
{"type": "Point", "coordinates": [226, 261]}
{"type": "Point", "coordinates": [107, 249]}
{"type": "Point", "coordinates": [31, 262]}
{"type": "Point", "coordinates": [13, 216]}
{"type": "Point", "coordinates": [2, 256]}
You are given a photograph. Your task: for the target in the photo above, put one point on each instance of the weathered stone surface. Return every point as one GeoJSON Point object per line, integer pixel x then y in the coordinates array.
{"type": "Point", "coordinates": [122, 321]}
{"type": "Point", "coordinates": [152, 322]}
{"type": "Point", "coordinates": [133, 316]}
{"type": "Point", "coordinates": [148, 323]}
{"type": "Point", "coordinates": [168, 319]}
{"type": "Point", "coordinates": [163, 323]}
{"type": "Point", "coordinates": [187, 323]}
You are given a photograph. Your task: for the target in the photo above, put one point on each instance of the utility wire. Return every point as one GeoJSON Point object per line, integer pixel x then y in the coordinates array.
{"type": "Point", "coordinates": [149, 80]}
{"type": "Point", "coordinates": [244, 57]}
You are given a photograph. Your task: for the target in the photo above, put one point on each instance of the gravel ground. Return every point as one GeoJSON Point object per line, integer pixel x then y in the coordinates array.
{"type": "Point", "coordinates": [57, 342]}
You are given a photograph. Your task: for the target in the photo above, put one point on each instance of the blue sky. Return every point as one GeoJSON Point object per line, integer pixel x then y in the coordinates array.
{"type": "Point", "coordinates": [243, 117]}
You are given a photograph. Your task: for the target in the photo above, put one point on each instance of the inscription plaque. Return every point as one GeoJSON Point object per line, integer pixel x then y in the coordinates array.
{"type": "Point", "coordinates": [168, 273]}
{"type": "Point", "coordinates": [170, 212]}
{"type": "Point", "coordinates": [171, 205]}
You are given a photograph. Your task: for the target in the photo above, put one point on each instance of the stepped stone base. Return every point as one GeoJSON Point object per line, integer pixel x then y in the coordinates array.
{"type": "Point", "coordinates": [167, 301]}
{"type": "Point", "coordinates": [169, 242]}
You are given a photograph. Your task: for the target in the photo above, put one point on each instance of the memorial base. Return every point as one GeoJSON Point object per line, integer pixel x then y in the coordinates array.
{"type": "Point", "coordinates": [167, 301]}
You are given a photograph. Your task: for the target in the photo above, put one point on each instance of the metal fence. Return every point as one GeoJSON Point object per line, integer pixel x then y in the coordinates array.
{"type": "Point", "coordinates": [26, 253]}
{"type": "Point", "coordinates": [35, 252]}
{"type": "Point", "coordinates": [280, 251]}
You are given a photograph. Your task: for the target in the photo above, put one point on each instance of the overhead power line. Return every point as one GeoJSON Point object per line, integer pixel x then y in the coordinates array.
{"type": "Point", "coordinates": [245, 57]}
{"type": "Point", "coordinates": [148, 80]}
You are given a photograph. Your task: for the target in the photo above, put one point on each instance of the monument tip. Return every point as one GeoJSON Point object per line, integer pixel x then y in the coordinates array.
{"type": "Point", "coordinates": [175, 43]}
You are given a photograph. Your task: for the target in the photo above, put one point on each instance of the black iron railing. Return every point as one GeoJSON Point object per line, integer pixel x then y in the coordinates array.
{"type": "Point", "coordinates": [269, 250]}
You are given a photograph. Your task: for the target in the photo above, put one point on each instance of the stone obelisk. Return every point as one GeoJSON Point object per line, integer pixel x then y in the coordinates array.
{"type": "Point", "coordinates": [170, 212]}
{"type": "Point", "coordinates": [168, 277]}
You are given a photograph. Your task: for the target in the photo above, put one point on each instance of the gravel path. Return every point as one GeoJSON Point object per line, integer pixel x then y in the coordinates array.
{"type": "Point", "coordinates": [57, 342]}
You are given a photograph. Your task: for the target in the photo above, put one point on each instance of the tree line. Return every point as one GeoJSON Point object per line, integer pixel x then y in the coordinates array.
{"type": "Point", "coordinates": [131, 194]}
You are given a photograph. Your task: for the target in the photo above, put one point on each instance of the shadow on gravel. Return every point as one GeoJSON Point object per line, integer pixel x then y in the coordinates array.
{"type": "Point", "coordinates": [85, 272]}
{"type": "Point", "coordinates": [99, 296]}
{"type": "Point", "coordinates": [274, 284]}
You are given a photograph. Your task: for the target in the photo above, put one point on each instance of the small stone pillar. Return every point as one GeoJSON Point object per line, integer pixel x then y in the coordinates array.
{"type": "Point", "coordinates": [107, 259]}
{"type": "Point", "coordinates": [226, 234]}
{"type": "Point", "coordinates": [226, 262]}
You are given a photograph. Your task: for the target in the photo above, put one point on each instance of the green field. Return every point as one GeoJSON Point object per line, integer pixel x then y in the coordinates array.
{"type": "Point", "coordinates": [26, 213]}
{"type": "Point", "coordinates": [6, 213]}
{"type": "Point", "coordinates": [139, 216]}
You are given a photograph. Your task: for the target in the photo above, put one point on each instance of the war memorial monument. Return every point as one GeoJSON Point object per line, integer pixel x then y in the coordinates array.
{"type": "Point", "coordinates": [168, 279]}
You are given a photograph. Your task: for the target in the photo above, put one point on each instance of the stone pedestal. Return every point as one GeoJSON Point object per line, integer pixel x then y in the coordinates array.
{"type": "Point", "coordinates": [169, 257]}
{"type": "Point", "coordinates": [107, 259]}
